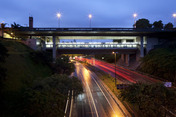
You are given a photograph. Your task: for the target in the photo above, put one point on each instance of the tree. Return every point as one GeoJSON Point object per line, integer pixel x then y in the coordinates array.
{"type": "Point", "coordinates": [15, 25]}
{"type": "Point", "coordinates": [158, 24]}
{"type": "Point", "coordinates": [168, 26]}
{"type": "Point", "coordinates": [143, 23]}
{"type": "Point", "coordinates": [47, 97]}
{"type": "Point", "coordinates": [2, 28]}
{"type": "Point", "coordinates": [62, 65]}
{"type": "Point", "coordinates": [152, 99]}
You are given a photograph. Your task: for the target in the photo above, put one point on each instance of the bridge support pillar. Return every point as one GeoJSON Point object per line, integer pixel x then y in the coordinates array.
{"type": "Point", "coordinates": [54, 48]}
{"type": "Point", "coordinates": [127, 59]}
{"type": "Point", "coordinates": [122, 57]}
{"type": "Point", "coordinates": [142, 47]}
{"type": "Point", "coordinates": [44, 44]}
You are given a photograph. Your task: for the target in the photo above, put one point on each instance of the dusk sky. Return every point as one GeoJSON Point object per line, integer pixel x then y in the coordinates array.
{"type": "Point", "coordinates": [106, 13]}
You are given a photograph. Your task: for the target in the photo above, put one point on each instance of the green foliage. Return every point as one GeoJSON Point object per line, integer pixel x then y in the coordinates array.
{"type": "Point", "coordinates": [143, 23]}
{"type": "Point", "coordinates": [21, 71]}
{"type": "Point", "coordinates": [158, 24]}
{"type": "Point", "coordinates": [150, 98]}
{"type": "Point", "coordinates": [168, 26]}
{"type": "Point", "coordinates": [160, 62]}
{"type": "Point", "coordinates": [63, 66]}
{"type": "Point", "coordinates": [46, 98]}
{"type": "Point", "coordinates": [41, 57]}
{"type": "Point", "coordinates": [3, 55]}
{"type": "Point", "coordinates": [15, 25]}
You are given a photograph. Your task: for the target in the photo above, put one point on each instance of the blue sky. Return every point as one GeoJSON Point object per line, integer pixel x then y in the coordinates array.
{"type": "Point", "coordinates": [106, 13]}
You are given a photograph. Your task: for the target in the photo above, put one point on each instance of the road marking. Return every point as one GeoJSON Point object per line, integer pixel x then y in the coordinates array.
{"type": "Point", "coordinates": [104, 95]}
{"type": "Point", "coordinates": [71, 105]}
{"type": "Point", "coordinates": [67, 103]}
{"type": "Point", "coordinates": [96, 100]}
{"type": "Point", "coordinates": [92, 100]}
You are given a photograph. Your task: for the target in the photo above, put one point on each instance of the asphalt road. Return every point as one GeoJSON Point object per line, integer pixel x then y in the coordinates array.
{"type": "Point", "coordinates": [95, 101]}
{"type": "Point", "coordinates": [124, 75]}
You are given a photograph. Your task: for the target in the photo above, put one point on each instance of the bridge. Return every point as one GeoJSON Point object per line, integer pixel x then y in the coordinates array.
{"type": "Point", "coordinates": [126, 41]}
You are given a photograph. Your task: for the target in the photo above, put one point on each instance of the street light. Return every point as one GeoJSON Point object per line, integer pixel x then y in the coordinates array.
{"type": "Point", "coordinates": [115, 65]}
{"type": "Point", "coordinates": [59, 16]}
{"type": "Point", "coordinates": [90, 17]}
{"type": "Point", "coordinates": [135, 15]}
{"type": "Point", "coordinates": [174, 15]}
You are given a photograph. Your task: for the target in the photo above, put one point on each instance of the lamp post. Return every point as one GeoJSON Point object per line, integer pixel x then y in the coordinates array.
{"type": "Point", "coordinates": [115, 65]}
{"type": "Point", "coordinates": [135, 15]}
{"type": "Point", "coordinates": [90, 17]}
{"type": "Point", "coordinates": [174, 15]}
{"type": "Point", "coordinates": [59, 16]}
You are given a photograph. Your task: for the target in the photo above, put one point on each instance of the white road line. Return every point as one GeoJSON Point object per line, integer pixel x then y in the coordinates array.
{"type": "Point", "coordinates": [67, 103]}
{"type": "Point", "coordinates": [92, 100]}
{"type": "Point", "coordinates": [71, 105]}
{"type": "Point", "coordinates": [95, 100]}
{"type": "Point", "coordinates": [104, 95]}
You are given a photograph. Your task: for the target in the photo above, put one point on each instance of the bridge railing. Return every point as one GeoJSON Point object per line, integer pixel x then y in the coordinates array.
{"type": "Point", "coordinates": [93, 29]}
{"type": "Point", "coordinates": [103, 46]}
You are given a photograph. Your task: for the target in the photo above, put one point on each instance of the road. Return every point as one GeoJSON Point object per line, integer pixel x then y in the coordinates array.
{"type": "Point", "coordinates": [95, 101]}
{"type": "Point", "coordinates": [123, 75]}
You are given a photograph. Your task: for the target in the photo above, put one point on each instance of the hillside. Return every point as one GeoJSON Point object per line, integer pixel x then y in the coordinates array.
{"type": "Point", "coordinates": [21, 72]}
{"type": "Point", "coordinates": [161, 62]}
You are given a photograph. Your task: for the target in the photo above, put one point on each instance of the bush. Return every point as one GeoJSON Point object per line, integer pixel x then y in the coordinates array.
{"type": "Point", "coordinates": [160, 62]}
{"type": "Point", "coordinates": [47, 98]}
{"type": "Point", "coordinates": [63, 66]}
{"type": "Point", "coordinates": [151, 99]}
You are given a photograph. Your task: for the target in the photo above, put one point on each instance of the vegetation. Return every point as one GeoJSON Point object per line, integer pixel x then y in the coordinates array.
{"type": "Point", "coordinates": [158, 24]}
{"type": "Point", "coordinates": [168, 26]}
{"type": "Point", "coordinates": [151, 99]}
{"type": "Point", "coordinates": [3, 55]}
{"type": "Point", "coordinates": [63, 66]}
{"type": "Point", "coordinates": [160, 62]}
{"type": "Point", "coordinates": [29, 89]}
{"type": "Point", "coordinates": [47, 98]}
{"type": "Point", "coordinates": [143, 23]}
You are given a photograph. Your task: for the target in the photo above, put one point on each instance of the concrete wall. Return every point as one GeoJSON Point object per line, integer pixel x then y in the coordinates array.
{"type": "Point", "coordinates": [151, 42]}
{"type": "Point", "coordinates": [31, 43]}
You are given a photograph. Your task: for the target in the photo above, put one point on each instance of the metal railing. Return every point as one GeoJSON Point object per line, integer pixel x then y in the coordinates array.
{"type": "Point", "coordinates": [94, 29]}
{"type": "Point", "coordinates": [95, 46]}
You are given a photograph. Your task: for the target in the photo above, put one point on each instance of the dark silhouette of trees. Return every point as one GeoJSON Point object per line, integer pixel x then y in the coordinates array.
{"type": "Point", "coordinates": [143, 23]}
{"type": "Point", "coordinates": [15, 25]}
{"type": "Point", "coordinates": [47, 97]}
{"type": "Point", "coordinates": [2, 28]}
{"type": "Point", "coordinates": [168, 26]}
{"type": "Point", "coordinates": [151, 99]}
{"type": "Point", "coordinates": [158, 25]}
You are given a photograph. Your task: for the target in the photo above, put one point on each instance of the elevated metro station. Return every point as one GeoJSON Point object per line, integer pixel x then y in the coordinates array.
{"type": "Point", "coordinates": [124, 41]}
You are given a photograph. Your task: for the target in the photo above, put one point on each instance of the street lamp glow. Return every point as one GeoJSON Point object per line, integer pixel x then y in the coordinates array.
{"type": "Point", "coordinates": [134, 15]}
{"type": "Point", "coordinates": [58, 15]}
{"type": "Point", "coordinates": [174, 15]}
{"type": "Point", "coordinates": [90, 16]}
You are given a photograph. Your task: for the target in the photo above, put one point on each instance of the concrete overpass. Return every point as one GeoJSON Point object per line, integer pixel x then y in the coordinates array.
{"type": "Point", "coordinates": [145, 38]}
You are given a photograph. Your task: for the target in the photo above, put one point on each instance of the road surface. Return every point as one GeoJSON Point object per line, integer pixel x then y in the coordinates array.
{"type": "Point", "coordinates": [123, 75]}
{"type": "Point", "coordinates": [95, 101]}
